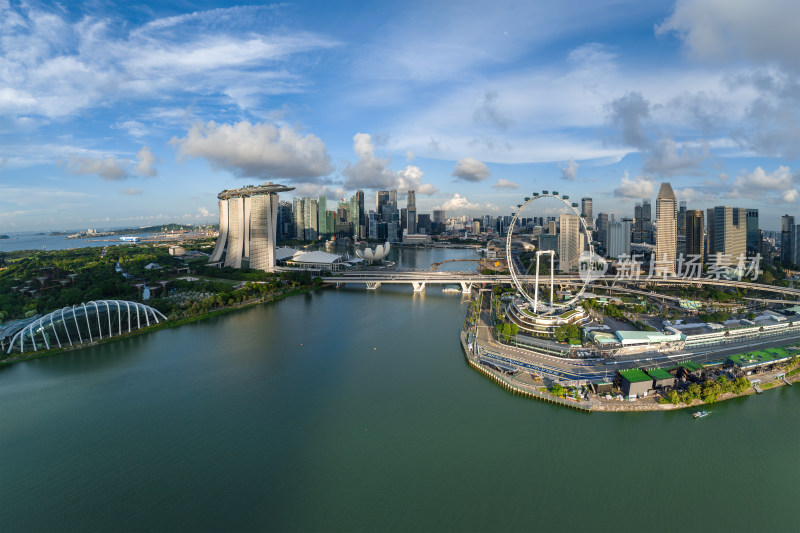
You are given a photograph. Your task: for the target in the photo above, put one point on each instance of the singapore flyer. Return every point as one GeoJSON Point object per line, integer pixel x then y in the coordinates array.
{"type": "Point", "coordinates": [563, 234]}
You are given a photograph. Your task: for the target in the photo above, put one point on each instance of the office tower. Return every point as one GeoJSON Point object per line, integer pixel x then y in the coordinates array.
{"type": "Point", "coordinates": [439, 216]}
{"type": "Point", "coordinates": [787, 225]}
{"type": "Point", "coordinates": [753, 234]}
{"type": "Point", "coordinates": [247, 225]}
{"type": "Point", "coordinates": [642, 222]}
{"type": "Point", "coordinates": [299, 219]}
{"type": "Point", "coordinates": [393, 198]}
{"type": "Point", "coordinates": [411, 213]}
{"type": "Point", "coordinates": [601, 230]}
{"type": "Point", "coordinates": [373, 225]}
{"type": "Point", "coordinates": [382, 198]}
{"type": "Point", "coordinates": [666, 231]}
{"type": "Point", "coordinates": [728, 226]}
{"type": "Point", "coordinates": [357, 216]}
{"type": "Point", "coordinates": [682, 217]}
{"type": "Point", "coordinates": [311, 219]}
{"type": "Point", "coordinates": [586, 211]}
{"type": "Point", "coordinates": [569, 242]}
{"type": "Point", "coordinates": [619, 239]}
{"type": "Point", "coordinates": [694, 233]}
{"type": "Point", "coordinates": [285, 221]}
{"type": "Point", "coordinates": [322, 221]}
{"type": "Point", "coordinates": [547, 242]}
{"type": "Point", "coordinates": [424, 223]}
{"type": "Point", "coordinates": [551, 227]}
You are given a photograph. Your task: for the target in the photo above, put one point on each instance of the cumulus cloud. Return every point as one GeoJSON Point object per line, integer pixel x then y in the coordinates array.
{"type": "Point", "coordinates": [109, 168]}
{"type": "Point", "coordinates": [503, 183]}
{"type": "Point", "coordinates": [628, 113]}
{"type": "Point", "coordinates": [373, 172]}
{"type": "Point", "coordinates": [458, 204]}
{"type": "Point", "coordinates": [569, 170]}
{"type": "Point", "coordinates": [665, 158]}
{"type": "Point", "coordinates": [489, 112]}
{"type": "Point", "coordinates": [470, 169]}
{"type": "Point", "coordinates": [778, 185]}
{"type": "Point", "coordinates": [720, 30]}
{"type": "Point", "coordinates": [639, 187]}
{"type": "Point", "coordinates": [256, 150]}
{"type": "Point", "coordinates": [145, 160]}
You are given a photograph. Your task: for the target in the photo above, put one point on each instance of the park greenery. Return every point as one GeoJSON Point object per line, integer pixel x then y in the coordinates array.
{"type": "Point", "coordinates": [568, 333]}
{"type": "Point", "coordinates": [37, 282]}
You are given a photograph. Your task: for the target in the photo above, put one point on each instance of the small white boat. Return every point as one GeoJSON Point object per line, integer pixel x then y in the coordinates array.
{"type": "Point", "coordinates": [700, 414]}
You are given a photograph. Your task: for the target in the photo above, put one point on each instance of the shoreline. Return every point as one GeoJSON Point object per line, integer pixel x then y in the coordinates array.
{"type": "Point", "coordinates": [601, 405]}
{"type": "Point", "coordinates": [8, 359]}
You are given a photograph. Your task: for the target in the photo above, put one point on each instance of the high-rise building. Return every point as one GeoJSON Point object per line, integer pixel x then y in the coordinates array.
{"type": "Point", "coordinates": [694, 233]}
{"type": "Point", "coordinates": [424, 223]}
{"type": "Point", "coordinates": [619, 239]}
{"type": "Point", "coordinates": [787, 250]}
{"type": "Point", "coordinates": [310, 219]}
{"type": "Point", "coordinates": [682, 217]}
{"type": "Point", "coordinates": [299, 219]}
{"type": "Point", "coordinates": [753, 233]}
{"type": "Point", "coordinates": [322, 220]}
{"type": "Point", "coordinates": [586, 211]}
{"type": "Point", "coordinates": [357, 216]}
{"type": "Point", "coordinates": [569, 241]}
{"type": "Point", "coordinates": [382, 198]}
{"type": "Point", "coordinates": [247, 226]}
{"type": "Point", "coordinates": [411, 213]}
{"type": "Point", "coordinates": [601, 230]}
{"type": "Point", "coordinates": [642, 223]}
{"type": "Point", "coordinates": [285, 221]}
{"type": "Point", "coordinates": [393, 198]}
{"type": "Point", "coordinates": [729, 230]}
{"type": "Point", "coordinates": [666, 231]}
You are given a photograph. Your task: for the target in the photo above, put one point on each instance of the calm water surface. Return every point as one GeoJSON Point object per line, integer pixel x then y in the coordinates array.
{"type": "Point", "coordinates": [348, 410]}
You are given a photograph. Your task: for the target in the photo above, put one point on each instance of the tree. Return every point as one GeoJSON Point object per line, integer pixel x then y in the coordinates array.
{"type": "Point", "coordinates": [557, 390]}
{"type": "Point", "coordinates": [673, 397]}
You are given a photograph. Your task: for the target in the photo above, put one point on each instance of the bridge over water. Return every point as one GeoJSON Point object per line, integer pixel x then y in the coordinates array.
{"type": "Point", "coordinates": [467, 280]}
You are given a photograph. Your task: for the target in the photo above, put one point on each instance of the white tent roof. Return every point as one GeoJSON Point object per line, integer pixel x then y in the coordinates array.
{"type": "Point", "coordinates": [317, 257]}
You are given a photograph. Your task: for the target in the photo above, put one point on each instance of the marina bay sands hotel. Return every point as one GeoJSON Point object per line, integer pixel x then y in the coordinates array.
{"type": "Point", "coordinates": [247, 222]}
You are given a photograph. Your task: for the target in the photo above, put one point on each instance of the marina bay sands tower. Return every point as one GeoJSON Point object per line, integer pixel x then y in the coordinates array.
{"type": "Point", "coordinates": [247, 222]}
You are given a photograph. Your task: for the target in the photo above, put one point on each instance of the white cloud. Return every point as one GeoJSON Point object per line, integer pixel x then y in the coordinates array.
{"type": "Point", "coordinates": [257, 150]}
{"type": "Point", "coordinates": [458, 204]}
{"type": "Point", "coordinates": [778, 185]}
{"type": "Point", "coordinates": [639, 187]}
{"type": "Point", "coordinates": [130, 191]}
{"type": "Point", "coordinates": [503, 183]}
{"type": "Point", "coordinates": [145, 159]}
{"type": "Point", "coordinates": [109, 168]}
{"type": "Point", "coordinates": [569, 170]}
{"type": "Point", "coordinates": [721, 30]}
{"type": "Point", "coordinates": [372, 172]}
{"type": "Point", "coordinates": [470, 169]}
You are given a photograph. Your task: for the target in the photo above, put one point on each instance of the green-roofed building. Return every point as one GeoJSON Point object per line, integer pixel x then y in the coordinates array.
{"type": "Point", "coordinates": [661, 378]}
{"type": "Point", "coordinates": [634, 382]}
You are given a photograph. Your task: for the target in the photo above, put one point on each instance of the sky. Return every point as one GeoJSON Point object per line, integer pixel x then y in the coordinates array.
{"type": "Point", "coordinates": [129, 114]}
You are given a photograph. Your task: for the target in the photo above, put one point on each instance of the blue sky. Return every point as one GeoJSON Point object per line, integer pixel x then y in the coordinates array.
{"type": "Point", "coordinates": [141, 114]}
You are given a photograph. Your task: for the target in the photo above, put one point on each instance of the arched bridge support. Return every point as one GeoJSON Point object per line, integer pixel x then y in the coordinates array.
{"type": "Point", "coordinates": [466, 288]}
{"type": "Point", "coordinates": [373, 285]}
{"type": "Point", "coordinates": [419, 286]}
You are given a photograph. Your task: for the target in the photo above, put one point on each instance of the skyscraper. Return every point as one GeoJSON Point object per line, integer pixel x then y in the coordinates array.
{"type": "Point", "coordinates": [787, 250]}
{"type": "Point", "coordinates": [322, 224]}
{"type": "Point", "coordinates": [619, 239]}
{"type": "Point", "coordinates": [729, 232]}
{"type": "Point", "coordinates": [299, 219]}
{"type": "Point", "coordinates": [382, 198]}
{"type": "Point", "coordinates": [642, 222]}
{"type": "Point", "coordinates": [753, 234]}
{"type": "Point", "coordinates": [694, 233]}
{"type": "Point", "coordinates": [411, 207]}
{"type": "Point", "coordinates": [247, 226]}
{"type": "Point", "coordinates": [586, 211]}
{"type": "Point", "coordinates": [310, 219]}
{"type": "Point", "coordinates": [666, 230]}
{"type": "Point", "coordinates": [569, 249]}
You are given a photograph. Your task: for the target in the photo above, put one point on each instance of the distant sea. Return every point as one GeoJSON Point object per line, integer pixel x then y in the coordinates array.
{"type": "Point", "coordinates": [34, 240]}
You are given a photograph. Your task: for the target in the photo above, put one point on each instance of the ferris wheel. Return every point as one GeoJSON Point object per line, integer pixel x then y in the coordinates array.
{"type": "Point", "coordinates": [549, 205]}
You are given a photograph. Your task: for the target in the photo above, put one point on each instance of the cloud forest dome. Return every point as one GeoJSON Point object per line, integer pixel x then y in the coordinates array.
{"type": "Point", "coordinates": [87, 322]}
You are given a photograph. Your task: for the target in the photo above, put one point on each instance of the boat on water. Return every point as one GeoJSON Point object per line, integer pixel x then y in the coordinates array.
{"type": "Point", "coordinates": [700, 414]}
{"type": "Point", "coordinates": [451, 289]}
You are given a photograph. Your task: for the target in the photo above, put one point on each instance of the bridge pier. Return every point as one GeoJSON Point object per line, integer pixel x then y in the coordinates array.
{"type": "Point", "coordinates": [419, 286]}
{"type": "Point", "coordinates": [373, 285]}
{"type": "Point", "coordinates": [466, 288]}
